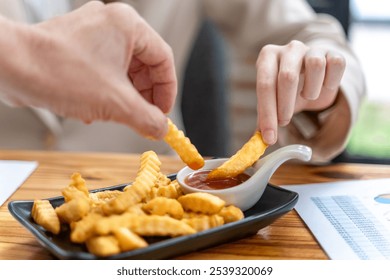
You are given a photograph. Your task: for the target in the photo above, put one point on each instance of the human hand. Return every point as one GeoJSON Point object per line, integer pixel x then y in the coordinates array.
{"type": "Point", "coordinates": [100, 62]}
{"type": "Point", "coordinates": [293, 78]}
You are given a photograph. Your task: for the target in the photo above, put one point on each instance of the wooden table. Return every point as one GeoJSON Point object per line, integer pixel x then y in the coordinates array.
{"type": "Point", "coordinates": [287, 238]}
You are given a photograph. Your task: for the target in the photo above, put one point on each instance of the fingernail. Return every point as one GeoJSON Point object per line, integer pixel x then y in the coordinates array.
{"type": "Point", "coordinates": [269, 136]}
{"type": "Point", "coordinates": [283, 123]}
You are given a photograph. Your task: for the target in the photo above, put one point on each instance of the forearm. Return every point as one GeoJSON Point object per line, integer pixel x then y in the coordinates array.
{"type": "Point", "coordinates": [10, 39]}
{"type": "Point", "coordinates": [16, 62]}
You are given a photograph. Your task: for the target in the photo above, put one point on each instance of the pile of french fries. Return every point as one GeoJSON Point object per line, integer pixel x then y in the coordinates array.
{"type": "Point", "coordinates": [114, 221]}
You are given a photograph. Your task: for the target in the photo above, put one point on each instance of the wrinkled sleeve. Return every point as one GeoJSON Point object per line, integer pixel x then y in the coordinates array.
{"type": "Point", "coordinates": [249, 25]}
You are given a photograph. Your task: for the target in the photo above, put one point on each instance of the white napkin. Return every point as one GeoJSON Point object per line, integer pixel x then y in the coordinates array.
{"type": "Point", "coordinates": [12, 175]}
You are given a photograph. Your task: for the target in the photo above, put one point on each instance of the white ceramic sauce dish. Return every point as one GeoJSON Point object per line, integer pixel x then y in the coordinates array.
{"type": "Point", "coordinates": [246, 194]}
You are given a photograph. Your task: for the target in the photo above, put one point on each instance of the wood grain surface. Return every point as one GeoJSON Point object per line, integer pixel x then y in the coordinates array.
{"type": "Point", "coordinates": [286, 238]}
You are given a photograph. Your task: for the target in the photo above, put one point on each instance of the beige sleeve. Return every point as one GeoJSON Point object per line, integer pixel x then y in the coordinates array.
{"type": "Point", "coordinates": [326, 132]}
{"type": "Point", "coordinates": [249, 25]}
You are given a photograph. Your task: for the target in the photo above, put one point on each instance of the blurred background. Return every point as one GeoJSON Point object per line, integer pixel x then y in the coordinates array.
{"type": "Point", "coordinates": [367, 24]}
{"type": "Point", "coordinates": [370, 37]}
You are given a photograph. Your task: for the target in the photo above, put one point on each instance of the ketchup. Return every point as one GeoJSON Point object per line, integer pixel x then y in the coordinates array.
{"type": "Point", "coordinates": [200, 181]}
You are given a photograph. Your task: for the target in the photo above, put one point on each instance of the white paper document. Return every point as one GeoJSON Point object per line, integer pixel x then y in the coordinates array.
{"type": "Point", "coordinates": [12, 175]}
{"type": "Point", "coordinates": [350, 219]}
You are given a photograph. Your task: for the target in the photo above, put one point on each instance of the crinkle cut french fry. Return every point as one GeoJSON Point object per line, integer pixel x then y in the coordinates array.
{"type": "Point", "coordinates": [128, 240]}
{"type": "Point", "coordinates": [79, 183]}
{"type": "Point", "coordinates": [201, 202]}
{"type": "Point", "coordinates": [73, 210]}
{"type": "Point", "coordinates": [155, 225]}
{"type": "Point", "coordinates": [139, 190]}
{"type": "Point", "coordinates": [231, 214]}
{"type": "Point", "coordinates": [84, 229]}
{"type": "Point", "coordinates": [183, 147]}
{"type": "Point", "coordinates": [103, 246]}
{"type": "Point", "coordinates": [164, 206]}
{"type": "Point", "coordinates": [250, 152]}
{"type": "Point", "coordinates": [44, 214]}
{"type": "Point", "coordinates": [203, 222]}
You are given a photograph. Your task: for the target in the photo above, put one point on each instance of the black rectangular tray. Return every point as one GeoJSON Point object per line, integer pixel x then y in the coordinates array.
{"type": "Point", "coordinates": [274, 203]}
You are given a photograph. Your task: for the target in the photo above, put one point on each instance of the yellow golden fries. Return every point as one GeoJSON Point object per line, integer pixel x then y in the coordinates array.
{"type": "Point", "coordinates": [204, 222]}
{"type": "Point", "coordinates": [201, 202]}
{"type": "Point", "coordinates": [171, 190]}
{"type": "Point", "coordinates": [144, 182]}
{"type": "Point", "coordinates": [231, 214]}
{"type": "Point", "coordinates": [161, 226]}
{"type": "Point", "coordinates": [164, 206]}
{"type": "Point", "coordinates": [99, 197]}
{"type": "Point", "coordinates": [79, 183]}
{"type": "Point", "coordinates": [128, 240]}
{"type": "Point", "coordinates": [183, 147]}
{"type": "Point", "coordinates": [73, 210]}
{"type": "Point", "coordinates": [103, 246]}
{"type": "Point", "coordinates": [244, 158]}
{"type": "Point", "coordinates": [84, 229]}
{"type": "Point", "coordinates": [114, 221]}
{"type": "Point", "coordinates": [44, 214]}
